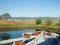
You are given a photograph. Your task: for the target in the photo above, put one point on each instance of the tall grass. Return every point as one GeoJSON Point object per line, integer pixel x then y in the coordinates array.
{"type": "Point", "coordinates": [22, 24]}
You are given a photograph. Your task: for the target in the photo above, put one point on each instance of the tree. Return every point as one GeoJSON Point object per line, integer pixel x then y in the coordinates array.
{"type": "Point", "coordinates": [0, 17]}
{"type": "Point", "coordinates": [38, 21]}
{"type": "Point", "coordinates": [5, 36]}
{"type": "Point", "coordinates": [49, 22]}
{"type": "Point", "coordinates": [6, 16]}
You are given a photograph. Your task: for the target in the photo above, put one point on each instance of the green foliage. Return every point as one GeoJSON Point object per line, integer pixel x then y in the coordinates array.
{"type": "Point", "coordinates": [5, 36]}
{"type": "Point", "coordinates": [49, 22]}
{"type": "Point", "coordinates": [58, 23]}
{"type": "Point", "coordinates": [0, 17]}
{"type": "Point", "coordinates": [38, 21]}
{"type": "Point", "coordinates": [23, 19]}
{"type": "Point", "coordinates": [6, 16]}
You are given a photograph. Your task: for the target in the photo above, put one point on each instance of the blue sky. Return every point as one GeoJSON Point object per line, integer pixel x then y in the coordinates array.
{"type": "Point", "coordinates": [30, 8]}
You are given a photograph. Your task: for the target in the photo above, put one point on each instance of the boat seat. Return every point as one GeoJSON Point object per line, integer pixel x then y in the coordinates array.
{"type": "Point", "coordinates": [19, 43]}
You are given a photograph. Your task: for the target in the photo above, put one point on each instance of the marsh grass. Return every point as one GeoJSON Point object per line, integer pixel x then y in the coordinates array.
{"type": "Point", "coordinates": [22, 24]}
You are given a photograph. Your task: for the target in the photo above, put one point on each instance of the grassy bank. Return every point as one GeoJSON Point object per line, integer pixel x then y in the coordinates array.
{"type": "Point", "coordinates": [23, 24]}
{"type": "Point", "coordinates": [14, 25]}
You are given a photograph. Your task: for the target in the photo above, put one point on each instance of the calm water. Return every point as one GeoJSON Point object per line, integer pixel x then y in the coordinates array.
{"type": "Point", "coordinates": [17, 34]}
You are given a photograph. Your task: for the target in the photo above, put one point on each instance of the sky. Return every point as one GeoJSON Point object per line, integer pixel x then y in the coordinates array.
{"type": "Point", "coordinates": [30, 8]}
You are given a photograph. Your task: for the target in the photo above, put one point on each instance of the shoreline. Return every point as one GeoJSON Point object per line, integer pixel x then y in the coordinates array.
{"type": "Point", "coordinates": [23, 24]}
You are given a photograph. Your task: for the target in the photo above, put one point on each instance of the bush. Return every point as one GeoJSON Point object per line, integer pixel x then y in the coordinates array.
{"type": "Point", "coordinates": [5, 36]}
{"type": "Point", "coordinates": [49, 22]}
{"type": "Point", "coordinates": [58, 23]}
{"type": "Point", "coordinates": [38, 21]}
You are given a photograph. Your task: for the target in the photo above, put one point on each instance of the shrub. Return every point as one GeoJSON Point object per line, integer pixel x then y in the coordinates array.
{"type": "Point", "coordinates": [58, 23]}
{"type": "Point", "coordinates": [49, 22]}
{"type": "Point", "coordinates": [38, 21]}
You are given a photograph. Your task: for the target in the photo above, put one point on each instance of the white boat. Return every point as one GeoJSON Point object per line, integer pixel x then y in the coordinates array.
{"type": "Point", "coordinates": [35, 38]}
{"type": "Point", "coordinates": [38, 39]}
